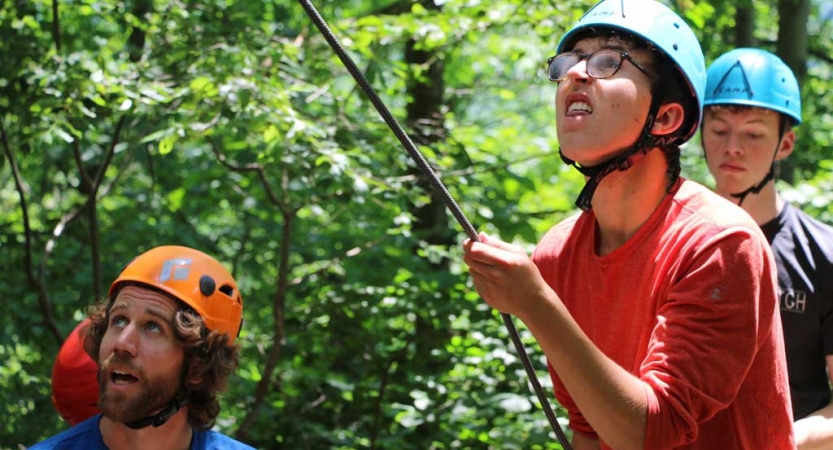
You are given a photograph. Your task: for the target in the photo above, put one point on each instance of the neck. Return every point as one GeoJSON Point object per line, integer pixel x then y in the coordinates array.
{"type": "Point", "coordinates": [624, 200]}
{"type": "Point", "coordinates": [175, 434]}
{"type": "Point", "coordinates": [763, 206]}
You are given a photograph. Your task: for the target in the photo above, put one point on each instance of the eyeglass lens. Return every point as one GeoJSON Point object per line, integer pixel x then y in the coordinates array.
{"type": "Point", "coordinates": [601, 64]}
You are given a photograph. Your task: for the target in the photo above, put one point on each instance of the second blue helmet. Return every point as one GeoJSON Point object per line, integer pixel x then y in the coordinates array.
{"type": "Point", "coordinates": [753, 77]}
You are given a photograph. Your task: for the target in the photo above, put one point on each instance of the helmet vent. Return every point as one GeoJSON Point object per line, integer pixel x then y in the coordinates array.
{"type": "Point", "coordinates": [228, 290]}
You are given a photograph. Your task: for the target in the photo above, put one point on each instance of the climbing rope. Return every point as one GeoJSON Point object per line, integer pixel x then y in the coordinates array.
{"type": "Point", "coordinates": [438, 186]}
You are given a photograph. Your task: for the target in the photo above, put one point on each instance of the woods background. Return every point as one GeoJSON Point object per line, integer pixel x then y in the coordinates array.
{"type": "Point", "coordinates": [230, 126]}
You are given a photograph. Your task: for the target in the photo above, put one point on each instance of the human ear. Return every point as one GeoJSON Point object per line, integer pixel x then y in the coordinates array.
{"type": "Point", "coordinates": [669, 118]}
{"type": "Point", "coordinates": [195, 380]}
{"type": "Point", "coordinates": [786, 146]}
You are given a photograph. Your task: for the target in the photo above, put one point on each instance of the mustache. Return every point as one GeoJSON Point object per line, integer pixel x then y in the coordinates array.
{"type": "Point", "coordinates": [122, 361]}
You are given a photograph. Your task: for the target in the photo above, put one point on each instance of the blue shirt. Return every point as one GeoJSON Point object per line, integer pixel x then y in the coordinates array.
{"type": "Point", "coordinates": [87, 435]}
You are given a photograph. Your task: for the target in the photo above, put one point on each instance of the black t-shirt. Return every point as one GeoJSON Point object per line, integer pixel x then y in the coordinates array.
{"type": "Point", "coordinates": [803, 249]}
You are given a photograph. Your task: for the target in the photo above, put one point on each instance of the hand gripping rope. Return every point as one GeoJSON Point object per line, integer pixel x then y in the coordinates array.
{"type": "Point", "coordinates": [441, 189]}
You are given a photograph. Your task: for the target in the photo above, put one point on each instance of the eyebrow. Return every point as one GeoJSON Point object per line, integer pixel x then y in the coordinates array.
{"type": "Point", "coordinates": [606, 44]}
{"type": "Point", "coordinates": [719, 116]}
{"type": "Point", "coordinates": [148, 311]}
{"type": "Point", "coordinates": [616, 46]}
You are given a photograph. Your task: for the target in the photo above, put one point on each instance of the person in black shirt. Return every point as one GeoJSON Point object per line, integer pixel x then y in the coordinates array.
{"type": "Point", "coordinates": [752, 104]}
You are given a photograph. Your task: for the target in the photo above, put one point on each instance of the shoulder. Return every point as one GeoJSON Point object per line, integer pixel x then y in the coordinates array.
{"type": "Point", "coordinates": [704, 205]}
{"type": "Point", "coordinates": [213, 440]}
{"type": "Point", "coordinates": [699, 214]}
{"type": "Point", "coordinates": [702, 229]}
{"type": "Point", "coordinates": [813, 226]}
{"type": "Point", "coordinates": [85, 436]}
{"type": "Point", "coordinates": [565, 228]}
{"type": "Point", "coordinates": [556, 238]}
{"type": "Point", "coordinates": [807, 232]}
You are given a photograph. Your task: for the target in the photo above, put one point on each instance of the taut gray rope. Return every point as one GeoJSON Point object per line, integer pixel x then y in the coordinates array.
{"type": "Point", "coordinates": [441, 189]}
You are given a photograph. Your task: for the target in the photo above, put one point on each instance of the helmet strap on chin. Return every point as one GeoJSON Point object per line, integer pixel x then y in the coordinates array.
{"type": "Point", "coordinates": [755, 189]}
{"type": "Point", "coordinates": [160, 418]}
{"type": "Point", "coordinates": [596, 173]}
{"type": "Point", "coordinates": [179, 401]}
{"type": "Point", "coordinates": [623, 161]}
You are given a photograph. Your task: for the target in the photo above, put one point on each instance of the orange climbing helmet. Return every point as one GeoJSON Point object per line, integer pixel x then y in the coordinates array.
{"type": "Point", "coordinates": [75, 379]}
{"type": "Point", "coordinates": [193, 277]}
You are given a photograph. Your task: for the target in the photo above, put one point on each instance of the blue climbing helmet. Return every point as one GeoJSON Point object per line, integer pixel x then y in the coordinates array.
{"type": "Point", "coordinates": [667, 33]}
{"type": "Point", "coordinates": [753, 77]}
{"type": "Point", "coordinates": [656, 24]}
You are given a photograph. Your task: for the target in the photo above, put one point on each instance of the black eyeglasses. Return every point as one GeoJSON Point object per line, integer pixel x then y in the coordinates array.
{"type": "Point", "coordinates": [600, 64]}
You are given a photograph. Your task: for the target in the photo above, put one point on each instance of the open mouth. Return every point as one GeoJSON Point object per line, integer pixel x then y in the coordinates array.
{"type": "Point", "coordinates": [579, 107]}
{"type": "Point", "coordinates": [122, 378]}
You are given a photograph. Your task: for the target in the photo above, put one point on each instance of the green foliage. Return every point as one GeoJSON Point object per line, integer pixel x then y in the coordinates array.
{"type": "Point", "coordinates": [230, 126]}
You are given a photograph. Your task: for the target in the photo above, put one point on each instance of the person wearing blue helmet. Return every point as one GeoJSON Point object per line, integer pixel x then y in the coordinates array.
{"type": "Point", "coordinates": [752, 104]}
{"type": "Point", "coordinates": [655, 304]}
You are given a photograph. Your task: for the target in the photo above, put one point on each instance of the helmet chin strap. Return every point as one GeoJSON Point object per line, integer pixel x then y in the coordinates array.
{"type": "Point", "coordinates": [596, 173]}
{"type": "Point", "coordinates": [179, 400]}
{"type": "Point", "coordinates": [621, 162]}
{"type": "Point", "coordinates": [162, 416]}
{"type": "Point", "coordinates": [755, 189]}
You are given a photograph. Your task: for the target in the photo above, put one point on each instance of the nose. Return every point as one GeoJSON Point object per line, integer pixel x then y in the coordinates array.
{"type": "Point", "coordinates": [733, 145]}
{"type": "Point", "coordinates": [127, 340]}
{"type": "Point", "coordinates": [578, 72]}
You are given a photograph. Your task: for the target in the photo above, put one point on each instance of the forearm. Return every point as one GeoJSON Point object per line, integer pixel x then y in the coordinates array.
{"type": "Point", "coordinates": [612, 400]}
{"type": "Point", "coordinates": [815, 432]}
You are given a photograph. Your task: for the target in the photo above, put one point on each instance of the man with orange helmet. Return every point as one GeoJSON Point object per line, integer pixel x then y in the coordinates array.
{"type": "Point", "coordinates": [75, 379]}
{"type": "Point", "coordinates": [164, 344]}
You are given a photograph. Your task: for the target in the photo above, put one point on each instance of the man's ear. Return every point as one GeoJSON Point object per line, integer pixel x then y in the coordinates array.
{"type": "Point", "coordinates": [669, 118]}
{"type": "Point", "coordinates": [195, 380]}
{"type": "Point", "coordinates": [786, 146]}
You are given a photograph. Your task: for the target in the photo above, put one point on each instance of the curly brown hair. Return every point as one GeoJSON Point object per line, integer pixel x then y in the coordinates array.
{"type": "Point", "coordinates": [209, 358]}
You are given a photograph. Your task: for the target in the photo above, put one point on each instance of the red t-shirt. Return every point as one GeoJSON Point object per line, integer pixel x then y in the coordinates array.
{"type": "Point", "coordinates": [687, 304]}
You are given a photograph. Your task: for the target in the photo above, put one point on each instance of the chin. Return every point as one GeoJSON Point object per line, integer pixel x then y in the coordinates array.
{"type": "Point", "coordinates": [725, 188]}
{"type": "Point", "coordinates": [584, 158]}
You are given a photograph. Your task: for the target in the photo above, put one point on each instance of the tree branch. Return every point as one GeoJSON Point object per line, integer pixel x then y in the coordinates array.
{"type": "Point", "coordinates": [822, 55]}
{"type": "Point", "coordinates": [36, 282]}
{"type": "Point", "coordinates": [397, 358]}
{"type": "Point", "coordinates": [254, 167]}
{"type": "Point", "coordinates": [56, 25]}
{"type": "Point", "coordinates": [328, 264]}
{"type": "Point", "coordinates": [86, 181]}
{"type": "Point", "coordinates": [278, 338]}
{"type": "Point", "coordinates": [91, 186]}
{"type": "Point", "coordinates": [92, 203]}
{"type": "Point", "coordinates": [108, 157]}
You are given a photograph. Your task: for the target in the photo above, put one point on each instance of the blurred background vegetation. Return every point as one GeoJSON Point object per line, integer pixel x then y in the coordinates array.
{"type": "Point", "coordinates": [230, 126]}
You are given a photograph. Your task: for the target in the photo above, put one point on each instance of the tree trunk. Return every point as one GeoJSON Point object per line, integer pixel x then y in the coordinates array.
{"type": "Point", "coordinates": [425, 120]}
{"type": "Point", "coordinates": [792, 35]}
{"type": "Point", "coordinates": [792, 48]}
{"type": "Point", "coordinates": [744, 25]}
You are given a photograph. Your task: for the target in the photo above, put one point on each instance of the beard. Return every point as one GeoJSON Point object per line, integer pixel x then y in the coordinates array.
{"type": "Point", "coordinates": [154, 394]}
